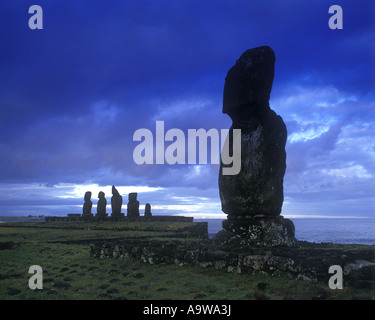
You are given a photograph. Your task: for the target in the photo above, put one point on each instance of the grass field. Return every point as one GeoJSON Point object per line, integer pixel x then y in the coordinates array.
{"type": "Point", "coordinates": [63, 252]}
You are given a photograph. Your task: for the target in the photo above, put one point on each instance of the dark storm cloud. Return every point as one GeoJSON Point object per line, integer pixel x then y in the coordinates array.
{"type": "Point", "coordinates": [72, 94]}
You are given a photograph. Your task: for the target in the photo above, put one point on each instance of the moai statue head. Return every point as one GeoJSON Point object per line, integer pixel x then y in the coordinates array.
{"type": "Point", "coordinates": [87, 196]}
{"type": "Point", "coordinates": [133, 196]}
{"type": "Point", "coordinates": [248, 84]}
{"type": "Point", "coordinates": [115, 191]}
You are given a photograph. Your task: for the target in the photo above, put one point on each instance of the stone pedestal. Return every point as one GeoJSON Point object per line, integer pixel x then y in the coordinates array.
{"type": "Point", "coordinates": [260, 232]}
{"type": "Point", "coordinates": [102, 216]}
{"type": "Point", "coordinates": [87, 216]}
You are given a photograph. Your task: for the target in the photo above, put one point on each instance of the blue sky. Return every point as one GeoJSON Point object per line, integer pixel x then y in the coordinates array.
{"type": "Point", "coordinates": [73, 94]}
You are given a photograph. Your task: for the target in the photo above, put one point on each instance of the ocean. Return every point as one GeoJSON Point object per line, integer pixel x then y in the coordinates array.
{"type": "Point", "coordinates": [340, 230]}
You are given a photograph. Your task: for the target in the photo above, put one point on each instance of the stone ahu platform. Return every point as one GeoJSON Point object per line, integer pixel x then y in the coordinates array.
{"type": "Point", "coordinates": [303, 260]}
{"type": "Point", "coordinates": [79, 217]}
{"type": "Point", "coordinates": [258, 245]}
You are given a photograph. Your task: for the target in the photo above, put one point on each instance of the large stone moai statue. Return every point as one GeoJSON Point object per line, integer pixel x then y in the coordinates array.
{"type": "Point", "coordinates": [102, 205]}
{"type": "Point", "coordinates": [87, 205]}
{"type": "Point", "coordinates": [253, 198]}
{"type": "Point", "coordinates": [116, 203]}
{"type": "Point", "coordinates": [133, 206]}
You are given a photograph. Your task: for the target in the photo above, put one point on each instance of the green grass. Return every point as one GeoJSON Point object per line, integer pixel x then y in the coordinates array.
{"type": "Point", "coordinates": [78, 231]}
{"type": "Point", "coordinates": [105, 225]}
{"type": "Point", "coordinates": [70, 273]}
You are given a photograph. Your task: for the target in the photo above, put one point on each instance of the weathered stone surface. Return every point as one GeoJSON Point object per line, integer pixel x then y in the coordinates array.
{"type": "Point", "coordinates": [308, 261]}
{"type": "Point", "coordinates": [133, 206]}
{"type": "Point", "coordinates": [258, 188]}
{"type": "Point", "coordinates": [116, 203]}
{"type": "Point", "coordinates": [242, 233]}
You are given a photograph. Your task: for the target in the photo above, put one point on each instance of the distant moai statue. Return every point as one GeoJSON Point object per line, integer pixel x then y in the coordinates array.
{"type": "Point", "coordinates": [116, 203]}
{"type": "Point", "coordinates": [133, 206]}
{"type": "Point", "coordinates": [148, 213]}
{"type": "Point", "coordinates": [86, 212]}
{"type": "Point", "coordinates": [102, 205]}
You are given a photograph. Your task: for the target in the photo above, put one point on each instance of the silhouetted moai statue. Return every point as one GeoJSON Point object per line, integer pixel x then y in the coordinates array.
{"type": "Point", "coordinates": [102, 205]}
{"type": "Point", "coordinates": [116, 203]}
{"type": "Point", "coordinates": [253, 198]}
{"type": "Point", "coordinates": [87, 206]}
{"type": "Point", "coordinates": [258, 188]}
{"type": "Point", "coordinates": [133, 206]}
{"type": "Point", "coordinates": [148, 213]}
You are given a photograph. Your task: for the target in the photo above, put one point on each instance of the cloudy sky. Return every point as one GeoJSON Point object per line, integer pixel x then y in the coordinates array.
{"type": "Point", "coordinates": [73, 94]}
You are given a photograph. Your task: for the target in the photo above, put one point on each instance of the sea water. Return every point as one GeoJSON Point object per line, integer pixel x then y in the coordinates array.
{"type": "Point", "coordinates": [340, 230]}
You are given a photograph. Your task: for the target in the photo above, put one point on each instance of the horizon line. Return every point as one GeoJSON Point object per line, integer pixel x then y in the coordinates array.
{"type": "Point", "coordinates": [219, 216]}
